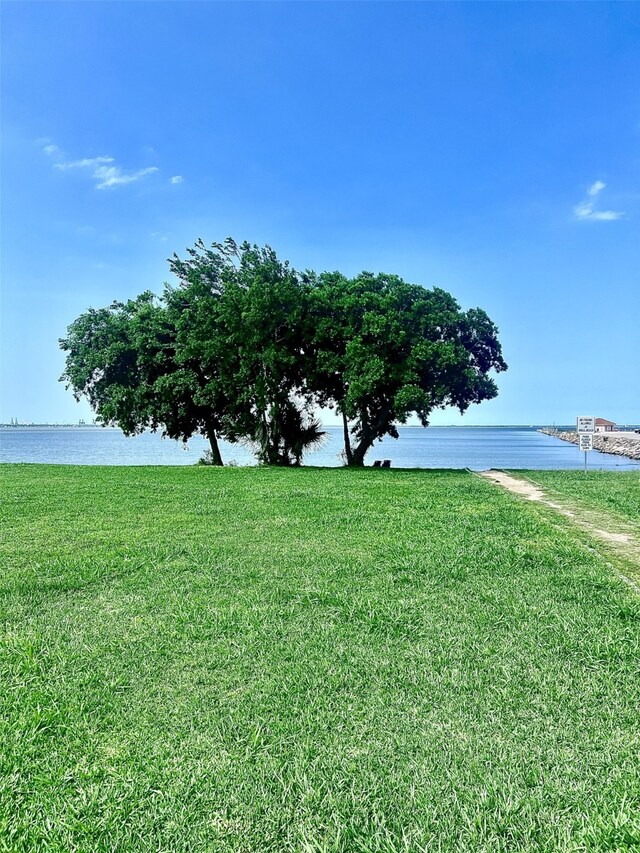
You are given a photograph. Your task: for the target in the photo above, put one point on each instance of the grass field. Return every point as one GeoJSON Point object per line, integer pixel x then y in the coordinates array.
{"type": "Point", "coordinates": [308, 660]}
{"type": "Point", "coordinates": [615, 493]}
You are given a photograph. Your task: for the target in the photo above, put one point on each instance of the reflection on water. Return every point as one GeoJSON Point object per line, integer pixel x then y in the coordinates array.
{"type": "Point", "coordinates": [477, 448]}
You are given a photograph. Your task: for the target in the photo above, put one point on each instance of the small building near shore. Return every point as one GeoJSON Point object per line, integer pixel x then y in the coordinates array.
{"type": "Point", "coordinates": [603, 425]}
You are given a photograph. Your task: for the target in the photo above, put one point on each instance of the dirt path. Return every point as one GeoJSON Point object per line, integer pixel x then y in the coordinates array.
{"type": "Point", "coordinates": [597, 524]}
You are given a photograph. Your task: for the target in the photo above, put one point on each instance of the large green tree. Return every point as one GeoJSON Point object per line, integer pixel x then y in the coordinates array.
{"type": "Point", "coordinates": [127, 361]}
{"type": "Point", "coordinates": [243, 317]}
{"type": "Point", "coordinates": [382, 350]}
{"type": "Point", "coordinates": [243, 347]}
{"type": "Point", "coordinates": [220, 353]}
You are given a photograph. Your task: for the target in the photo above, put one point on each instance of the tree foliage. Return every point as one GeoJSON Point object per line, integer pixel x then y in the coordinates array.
{"type": "Point", "coordinates": [242, 318]}
{"type": "Point", "coordinates": [243, 347]}
{"type": "Point", "coordinates": [220, 353]}
{"type": "Point", "coordinates": [384, 350]}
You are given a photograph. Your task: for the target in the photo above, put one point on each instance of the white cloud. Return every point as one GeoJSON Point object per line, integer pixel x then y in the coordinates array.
{"type": "Point", "coordinates": [104, 169]}
{"type": "Point", "coordinates": [87, 163]}
{"type": "Point", "coordinates": [587, 208]}
{"type": "Point", "coordinates": [113, 176]}
{"type": "Point", "coordinates": [52, 150]}
{"type": "Point", "coordinates": [176, 179]}
{"type": "Point", "coordinates": [605, 215]}
{"type": "Point", "coordinates": [596, 188]}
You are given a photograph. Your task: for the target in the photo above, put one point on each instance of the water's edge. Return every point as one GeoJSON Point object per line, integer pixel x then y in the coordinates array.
{"type": "Point", "coordinates": [477, 448]}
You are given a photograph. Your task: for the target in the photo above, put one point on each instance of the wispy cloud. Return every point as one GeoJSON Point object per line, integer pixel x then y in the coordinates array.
{"type": "Point", "coordinates": [113, 176]}
{"type": "Point", "coordinates": [104, 170]}
{"type": "Point", "coordinates": [176, 179]}
{"type": "Point", "coordinates": [87, 163]}
{"type": "Point", "coordinates": [52, 150]}
{"type": "Point", "coordinates": [596, 188]}
{"type": "Point", "coordinates": [586, 210]}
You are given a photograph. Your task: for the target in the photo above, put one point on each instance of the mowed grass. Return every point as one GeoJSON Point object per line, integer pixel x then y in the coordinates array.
{"type": "Point", "coordinates": [308, 660]}
{"type": "Point", "coordinates": [615, 493]}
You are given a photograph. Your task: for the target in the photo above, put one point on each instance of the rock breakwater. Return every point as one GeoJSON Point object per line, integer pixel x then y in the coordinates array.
{"type": "Point", "coordinates": [617, 443]}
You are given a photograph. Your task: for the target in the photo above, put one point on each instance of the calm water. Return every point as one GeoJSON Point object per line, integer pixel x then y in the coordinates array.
{"type": "Point", "coordinates": [477, 448]}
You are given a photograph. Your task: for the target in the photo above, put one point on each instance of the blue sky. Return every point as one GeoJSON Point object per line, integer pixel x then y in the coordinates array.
{"type": "Point", "coordinates": [492, 149]}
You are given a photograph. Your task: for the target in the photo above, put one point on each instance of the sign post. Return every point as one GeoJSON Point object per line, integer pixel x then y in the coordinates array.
{"type": "Point", "coordinates": [585, 440]}
{"type": "Point", "coordinates": [585, 427]}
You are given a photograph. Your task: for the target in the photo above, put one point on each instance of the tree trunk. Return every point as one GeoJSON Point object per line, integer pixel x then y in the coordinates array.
{"type": "Point", "coordinates": [369, 434]}
{"type": "Point", "coordinates": [359, 452]}
{"type": "Point", "coordinates": [347, 440]}
{"type": "Point", "coordinates": [216, 456]}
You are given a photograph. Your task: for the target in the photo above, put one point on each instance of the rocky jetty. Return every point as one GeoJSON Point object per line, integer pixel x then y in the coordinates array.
{"type": "Point", "coordinates": [618, 443]}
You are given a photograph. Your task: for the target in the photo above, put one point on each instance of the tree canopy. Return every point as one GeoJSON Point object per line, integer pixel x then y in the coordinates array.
{"type": "Point", "coordinates": [385, 349]}
{"type": "Point", "coordinates": [243, 347]}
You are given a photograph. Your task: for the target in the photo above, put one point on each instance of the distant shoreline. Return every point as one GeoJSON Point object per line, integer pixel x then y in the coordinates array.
{"type": "Point", "coordinates": [55, 426]}
{"type": "Point", "coordinates": [561, 427]}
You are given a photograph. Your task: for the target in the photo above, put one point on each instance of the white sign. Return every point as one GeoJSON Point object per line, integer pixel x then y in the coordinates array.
{"type": "Point", "coordinates": [586, 423]}
{"type": "Point", "coordinates": [585, 441]}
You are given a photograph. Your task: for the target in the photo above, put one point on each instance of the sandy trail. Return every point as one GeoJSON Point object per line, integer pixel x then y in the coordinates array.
{"type": "Point", "coordinates": [597, 524]}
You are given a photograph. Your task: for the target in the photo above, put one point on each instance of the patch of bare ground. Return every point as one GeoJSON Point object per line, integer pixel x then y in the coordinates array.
{"type": "Point", "coordinates": [621, 545]}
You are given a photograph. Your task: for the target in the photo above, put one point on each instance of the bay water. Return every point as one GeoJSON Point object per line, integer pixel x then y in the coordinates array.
{"type": "Point", "coordinates": [477, 448]}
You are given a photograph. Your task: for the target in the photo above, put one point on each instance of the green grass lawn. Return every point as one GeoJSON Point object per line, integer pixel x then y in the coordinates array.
{"type": "Point", "coordinates": [616, 493]}
{"type": "Point", "coordinates": [308, 660]}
